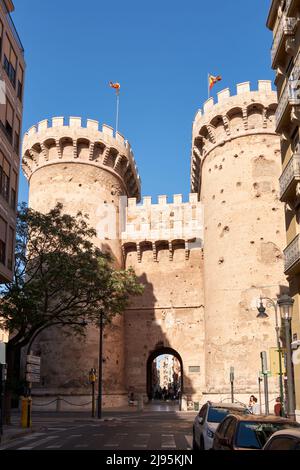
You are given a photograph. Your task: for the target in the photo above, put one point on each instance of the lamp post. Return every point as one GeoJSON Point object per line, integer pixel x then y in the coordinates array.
{"type": "Point", "coordinates": [262, 314]}
{"type": "Point", "coordinates": [100, 366]}
{"type": "Point", "coordinates": [285, 303]}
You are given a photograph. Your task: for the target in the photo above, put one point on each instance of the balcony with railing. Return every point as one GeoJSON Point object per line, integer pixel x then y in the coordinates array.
{"type": "Point", "coordinates": [289, 179]}
{"type": "Point", "coordinates": [292, 256]}
{"type": "Point", "coordinates": [289, 97]}
{"type": "Point", "coordinates": [286, 28]}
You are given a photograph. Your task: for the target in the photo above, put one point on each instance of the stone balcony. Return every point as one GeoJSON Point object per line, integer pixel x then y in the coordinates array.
{"type": "Point", "coordinates": [289, 100]}
{"type": "Point", "coordinates": [289, 180]}
{"type": "Point", "coordinates": [292, 256]}
{"type": "Point", "coordinates": [285, 30]}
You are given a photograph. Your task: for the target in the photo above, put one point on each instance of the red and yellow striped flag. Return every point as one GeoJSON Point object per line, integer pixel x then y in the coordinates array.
{"type": "Point", "coordinates": [212, 80]}
{"type": "Point", "coordinates": [116, 86]}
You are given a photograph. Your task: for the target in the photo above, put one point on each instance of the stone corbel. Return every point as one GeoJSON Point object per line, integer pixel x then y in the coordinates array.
{"type": "Point", "coordinates": [171, 251]}
{"type": "Point", "coordinates": [139, 255]}
{"type": "Point", "coordinates": [226, 125]}
{"type": "Point", "coordinates": [264, 116]}
{"type": "Point", "coordinates": [75, 152]}
{"type": "Point", "coordinates": [91, 151]}
{"type": "Point", "coordinates": [245, 118]}
{"type": "Point", "coordinates": [154, 251]}
{"type": "Point", "coordinates": [45, 151]}
{"type": "Point", "coordinates": [187, 250]}
{"type": "Point", "coordinates": [58, 148]}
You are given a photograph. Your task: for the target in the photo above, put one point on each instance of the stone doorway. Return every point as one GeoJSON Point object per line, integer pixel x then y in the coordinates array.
{"type": "Point", "coordinates": [164, 379]}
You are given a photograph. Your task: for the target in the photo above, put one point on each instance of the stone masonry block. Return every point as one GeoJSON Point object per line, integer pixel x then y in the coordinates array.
{"type": "Point", "coordinates": [243, 88]}
{"type": "Point", "coordinates": [75, 121]}
{"type": "Point", "coordinates": [43, 125]}
{"type": "Point", "coordinates": [223, 95]}
{"type": "Point", "coordinates": [264, 85]}
{"type": "Point", "coordinates": [92, 124]}
{"type": "Point", "coordinates": [57, 121]}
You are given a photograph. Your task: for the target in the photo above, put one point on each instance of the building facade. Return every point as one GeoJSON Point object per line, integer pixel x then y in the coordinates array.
{"type": "Point", "coordinates": [283, 20]}
{"type": "Point", "coordinates": [204, 262]}
{"type": "Point", "coordinates": [12, 70]}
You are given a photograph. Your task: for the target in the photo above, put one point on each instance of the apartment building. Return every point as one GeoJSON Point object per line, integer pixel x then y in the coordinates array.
{"type": "Point", "coordinates": [284, 21]}
{"type": "Point", "coordinates": [12, 70]}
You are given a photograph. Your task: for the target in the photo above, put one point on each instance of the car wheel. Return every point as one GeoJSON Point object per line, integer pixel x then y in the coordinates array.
{"type": "Point", "coordinates": [195, 445]}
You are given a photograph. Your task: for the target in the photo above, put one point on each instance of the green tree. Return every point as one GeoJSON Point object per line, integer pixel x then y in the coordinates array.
{"type": "Point", "coordinates": [60, 278]}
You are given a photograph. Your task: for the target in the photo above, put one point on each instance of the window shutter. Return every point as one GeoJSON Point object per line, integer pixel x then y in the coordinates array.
{"type": "Point", "coordinates": [3, 227]}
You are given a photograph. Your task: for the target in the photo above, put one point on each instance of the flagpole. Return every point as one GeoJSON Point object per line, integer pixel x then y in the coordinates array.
{"type": "Point", "coordinates": [208, 86]}
{"type": "Point", "coordinates": [117, 116]}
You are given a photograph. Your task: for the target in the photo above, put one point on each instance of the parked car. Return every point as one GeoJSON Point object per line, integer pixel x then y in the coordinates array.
{"type": "Point", "coordinates": [207, 421]}
{"type": "Point", "coordinates": [287, 439]}
{"type": "Point", "coordinates": [237, 432]}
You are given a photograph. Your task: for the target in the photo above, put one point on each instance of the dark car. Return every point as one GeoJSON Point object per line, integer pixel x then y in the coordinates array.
{"type": "Point", "coordinates": [207, 421]}
{"type": "Point", "coordinates": [248, 432]}
{"type": "Point", "coordinates": [288, 439]}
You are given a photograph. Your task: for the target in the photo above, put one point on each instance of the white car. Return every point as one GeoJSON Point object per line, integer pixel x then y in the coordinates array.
{"type": "Point", "coordinates": [207, 421]}
{"type": "Point", "coordinates": [286, 439]}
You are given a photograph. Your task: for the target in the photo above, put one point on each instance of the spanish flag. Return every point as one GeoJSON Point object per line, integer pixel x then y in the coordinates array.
{"type": "Point", "coordinates": [116, 86]}
{"type": "Point", "coordinates": [213, 80]}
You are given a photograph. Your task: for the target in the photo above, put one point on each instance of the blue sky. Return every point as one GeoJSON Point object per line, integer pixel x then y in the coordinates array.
{"type": "Point", "coordinates": [160, 51]}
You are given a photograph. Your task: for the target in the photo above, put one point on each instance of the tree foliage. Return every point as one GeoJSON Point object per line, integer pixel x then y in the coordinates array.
{"type": "Point", "coordinates": [60, 277]}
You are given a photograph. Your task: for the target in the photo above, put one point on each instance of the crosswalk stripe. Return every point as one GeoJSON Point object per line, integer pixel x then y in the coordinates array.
{"type": "Point", "coordinates": [168, 441]}
{"type": "Point", "coordinates": [38, 443]}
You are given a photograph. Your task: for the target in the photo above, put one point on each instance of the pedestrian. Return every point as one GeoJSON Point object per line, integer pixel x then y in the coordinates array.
{"type": "Point", "coordinates": [255, 406]}
{"type": "Point", "coordinates": [278, 407]}
{"type": "Point", "coordinates": [250, 405]}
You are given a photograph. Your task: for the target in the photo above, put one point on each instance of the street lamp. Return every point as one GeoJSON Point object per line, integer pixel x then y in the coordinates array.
{"type": "Point", "coordinates": [285, 303]}
{"type": "Point", "coordinates": [262, 314]}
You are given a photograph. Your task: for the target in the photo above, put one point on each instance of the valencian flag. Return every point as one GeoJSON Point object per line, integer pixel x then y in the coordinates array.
{"type": "Point", "coordinates": [116, 86]}
{"type": "Point", "coordinates": [212, 80]}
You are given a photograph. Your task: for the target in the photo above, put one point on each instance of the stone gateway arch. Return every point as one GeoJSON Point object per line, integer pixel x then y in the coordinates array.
{"type": "Point", "coordinates": [204, 261]}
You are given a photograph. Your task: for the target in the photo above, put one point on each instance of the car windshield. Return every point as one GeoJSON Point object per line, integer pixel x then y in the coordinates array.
{"type": "Point", "coordinates": [216, 415]}
{"type": "Point", "coordinates": [254, 434]}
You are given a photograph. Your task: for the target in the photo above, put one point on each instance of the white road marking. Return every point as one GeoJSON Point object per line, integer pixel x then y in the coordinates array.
{"type": "Point", "coordinates": [111, 445]}
{"type": "Point", "coordinates": [57, 429]}
{"type": "Point", "coordinates": [54, 447]}
{"type": "Point", "coordinates": [142, 440]}
{"type": "Point", "coordinates": [38, 443]}
{"type": "Point", "coordinates": [168, 441]}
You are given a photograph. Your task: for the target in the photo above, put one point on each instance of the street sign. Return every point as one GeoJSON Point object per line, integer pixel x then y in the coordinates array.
{"type": "Point", "coordinates": [34, 368]}
{"type": "Point", "coordinates": [30, 377]}
{"type": "Point", "coordinates": [2, 353]}
{"type": "Point", "coordinates": [33, 359]}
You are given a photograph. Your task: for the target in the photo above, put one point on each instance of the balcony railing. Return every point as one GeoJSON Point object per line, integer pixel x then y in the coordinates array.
{"type": "Point", "coordinates": [286, 27]}
{"type": "Point", "coordinates": [290, 174]}
{"type": "Point", "coordinates": [12, 26]}
{"type": "Point", "coordinates": [292, 254]}
{"type": "Point", "coordinates": [290, 95]}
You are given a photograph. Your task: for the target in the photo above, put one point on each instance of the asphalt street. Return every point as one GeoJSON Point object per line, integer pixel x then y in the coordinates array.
{"type": "Point", "coordinates": [147, 430]}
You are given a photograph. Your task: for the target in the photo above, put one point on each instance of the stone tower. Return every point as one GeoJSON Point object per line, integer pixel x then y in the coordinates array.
{"type": "Point", "coordinates": [86, 169]}
{"type": "Point", "coordinates": [235, 170]}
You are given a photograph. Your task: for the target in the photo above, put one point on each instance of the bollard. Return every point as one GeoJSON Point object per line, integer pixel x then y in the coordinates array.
{"type": "Point", "coordinates": [26, 407]}
{"type": "Point", "coordinates": [58, 404]}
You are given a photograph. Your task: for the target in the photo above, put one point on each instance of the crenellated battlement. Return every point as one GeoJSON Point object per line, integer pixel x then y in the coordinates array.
{"type": "Point", "coordinates": [165, 222]}
{"type": "Point", "coordinates": [62, 140]}
{"type": "Point", "coordinates": [232, 116]}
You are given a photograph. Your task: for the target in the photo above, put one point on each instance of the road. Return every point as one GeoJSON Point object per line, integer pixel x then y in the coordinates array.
{"type": "Point", "coordinates": [146, 430]}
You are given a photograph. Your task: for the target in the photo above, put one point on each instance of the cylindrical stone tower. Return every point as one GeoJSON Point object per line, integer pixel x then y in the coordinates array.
{"type": "Point", "coordinates": [87, 170]}
{"type": "Point", "coordinates": [235, 170]}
